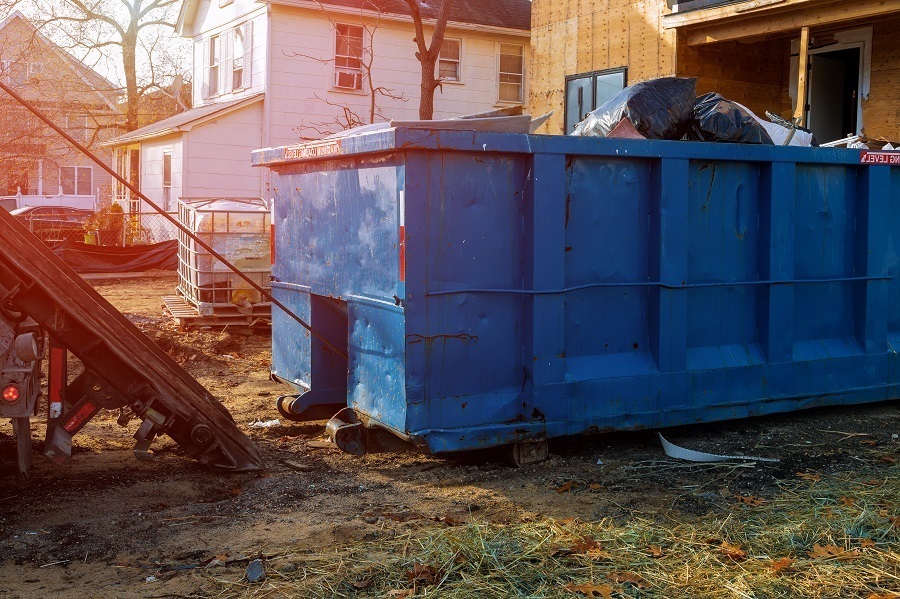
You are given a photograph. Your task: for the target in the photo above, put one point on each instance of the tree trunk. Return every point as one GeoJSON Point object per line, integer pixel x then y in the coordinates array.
{"type": "Point", "coordinates": [429, 85]}
{"type": "Point", "coordinates": [129, 65]}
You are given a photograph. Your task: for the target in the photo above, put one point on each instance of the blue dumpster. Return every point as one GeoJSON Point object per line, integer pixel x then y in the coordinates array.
{"type": "Point", "coordinates": [492, 289]}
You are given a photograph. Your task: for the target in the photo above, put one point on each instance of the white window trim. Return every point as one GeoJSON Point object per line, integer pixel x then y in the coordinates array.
{"type": "Point", "coordinates": [167, 200]}
{"type": "Point", "coordinates": [524, 95]}
{"type": "Point", "coordinates": [77, 167]}
{"type": "Point", "coordinates": [215, 43]}
{"type": "Point", "coordinates": [461, 63]}
{"type": "Point", "coordinates": [243, 29]}
{"type": "Point", "coordinates": [335, 69]}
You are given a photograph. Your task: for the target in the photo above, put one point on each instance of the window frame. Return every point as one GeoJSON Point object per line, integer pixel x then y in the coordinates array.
{"type": "Point", "coordinates": [593, 77]}
{"type": "Point", "coordinates": [348, 57]}
{"type": "Point", "coordinates": [500, 74]}
{"type": "Point", "coordinates": [458, 61]}
{"type": "Point", "coordinates": [167, 184]}
{"type": "Point", "coordinates": [215, 50]}
{"type": "Point", "coordinates": [241, 31]}
{"type": "Point", "coordinates": [76, 179]}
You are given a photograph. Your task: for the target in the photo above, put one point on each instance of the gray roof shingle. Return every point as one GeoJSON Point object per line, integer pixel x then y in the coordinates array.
{"type": "Point", "coordinates": [512, 14]}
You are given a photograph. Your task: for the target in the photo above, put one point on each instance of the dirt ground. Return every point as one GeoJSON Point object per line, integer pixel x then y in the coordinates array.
{"type": "Point", "coordinates": [107, 525]}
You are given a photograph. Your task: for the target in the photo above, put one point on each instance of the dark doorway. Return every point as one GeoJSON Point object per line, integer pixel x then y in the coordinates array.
{"type": "Point", "coordinates": [833, 102]}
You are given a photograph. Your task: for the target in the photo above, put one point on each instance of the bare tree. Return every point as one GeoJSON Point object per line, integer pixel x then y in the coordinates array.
{"type": "Point", "coordinates": [126, 33]}
{"type": "Point", "coordinates": [428, 54]}
{"type": "Point", "coordinates": [347, 117]}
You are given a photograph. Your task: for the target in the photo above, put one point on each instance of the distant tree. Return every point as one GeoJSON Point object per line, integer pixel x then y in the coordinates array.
{"type": "Point", "coordinates": [134, 36]}
{"type": "Point", "coordinates": [428, 54]}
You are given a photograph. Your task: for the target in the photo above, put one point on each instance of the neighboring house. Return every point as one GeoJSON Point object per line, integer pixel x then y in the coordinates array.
{"type": "Point", "coordinates": [747, 51]}
{"type": "Point", "coordinates": [37, 166]}
{"type": "Point", "coordinates": [276, 72]}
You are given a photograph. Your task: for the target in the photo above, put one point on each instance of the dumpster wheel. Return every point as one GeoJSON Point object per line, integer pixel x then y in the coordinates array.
{"type": "Point", "coordinates": [528, 452]}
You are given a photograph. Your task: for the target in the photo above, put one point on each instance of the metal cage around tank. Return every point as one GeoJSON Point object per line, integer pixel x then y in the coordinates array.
{"type": "Point", "coordinates": [238, 228]}
{"type": "Point", "coordinates": [496, 289]}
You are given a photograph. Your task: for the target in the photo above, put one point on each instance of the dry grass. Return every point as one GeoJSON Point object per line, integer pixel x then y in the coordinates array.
{"type": "Point", "coordinates": [832, 537]}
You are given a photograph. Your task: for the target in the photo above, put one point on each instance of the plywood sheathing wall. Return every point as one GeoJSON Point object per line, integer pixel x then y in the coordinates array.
{"type": "Point", "coordinates": [569, 37]}
{"type": "Point", "coordinates": [756, 75]}
{"type": "Point", "coordinates": [881, 113]}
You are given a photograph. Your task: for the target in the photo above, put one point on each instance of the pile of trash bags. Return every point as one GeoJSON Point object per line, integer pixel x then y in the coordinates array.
{"type": "Point", "coordinates": [668, 108]}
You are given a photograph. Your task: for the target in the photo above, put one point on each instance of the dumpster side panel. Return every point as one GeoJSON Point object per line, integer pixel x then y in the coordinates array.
{"type": "Point", "coordinates": [337, 247]}
{"type": "Point", "coordinates": [465, 219]}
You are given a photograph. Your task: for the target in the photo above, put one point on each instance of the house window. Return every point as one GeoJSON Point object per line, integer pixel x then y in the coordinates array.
{"type": "Point", "coordinates": [76, 180]}
{"type": "Point", "coordinates": [512, 72]}
{"type": "Point", "coordinates": [237, 71]}
{"type": "Point", "coordinates": [449, 60]}
{"type": "Point", "coordinates": [589, 91]}
{"type": "Point", "coordinates": [212, 76]}
{"type": "Point", "coordinates": [167, 180]}
{"type": "Point", "coordinates": [348, 51]}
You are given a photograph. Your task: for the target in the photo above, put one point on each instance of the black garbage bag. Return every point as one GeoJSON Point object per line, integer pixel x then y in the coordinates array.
{"type": "Point", "coordinates": [659, 109]}
{"type": "Point", "coordinates": [718, 119]}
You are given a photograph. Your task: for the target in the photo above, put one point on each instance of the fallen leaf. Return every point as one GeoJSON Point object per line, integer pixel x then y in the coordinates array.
{"type": "Point", "coordinates": [565, 488]}
{"type": "Point", "coordinates": [656, 551]}
{"type": "Point", "coordinates": [828, 513]}
{"type": "Point", "coordinates": [732, 551]}
{"type": "Point", "coordinates": [866, 543]}
{"type": "Point", "coordinates": [590, 548]}
{"type": "Point", "coordinates": [847, 501]}
{"type": "Point", "coordinates": [362, 584]}
{"type": "Point", "coordinates": [401, 593]}
{"type": "Point", "coordinates": [750, 500]}
{"type": "Point", "coordinates": [585, 544]}
{"type": "Point", "coordinates": [888, 595]}
{"type": "Point", "coordinates": [895, 520]}
{"type": "Point", "coordinates": [784, 564]}
{"type": "Point", "coordinates": [889, 459]}
{"type": "Point", "coordinates": [422, 573]}
{"type": "Point", "coordinates": [594, 486]}
{"type": "Point", "coordinates": [812, 476]}
{"type": "Point", "coordinates": [869, 442]}
{"type": "Point", "coordinates": [832, 552]}
{"type": "Point", "coordinates": [591, 590]}
{"type": "Point", "coordinates": [629, 577]}
{"type": "Point", "coordinates": [234, 491]}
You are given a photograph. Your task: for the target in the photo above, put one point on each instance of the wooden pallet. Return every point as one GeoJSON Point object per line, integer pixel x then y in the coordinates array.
{"type": "Point", "coordinates": [186, 315]}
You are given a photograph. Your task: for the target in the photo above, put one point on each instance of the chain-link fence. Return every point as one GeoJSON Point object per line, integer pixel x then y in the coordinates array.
{"type": "Point", "coordinates": [129, 229]}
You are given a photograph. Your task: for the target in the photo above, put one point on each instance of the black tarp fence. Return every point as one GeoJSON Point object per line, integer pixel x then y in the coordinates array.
{"type": "Point", "coordinates": [83, 257]}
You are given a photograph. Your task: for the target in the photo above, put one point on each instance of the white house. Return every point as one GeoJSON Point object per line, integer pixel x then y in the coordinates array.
{"type": "Point", "coordinates": [273, 72]}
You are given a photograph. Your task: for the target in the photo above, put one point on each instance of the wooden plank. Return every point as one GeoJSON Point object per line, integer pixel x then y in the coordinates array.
{"type": "Point", "coordinates": [800, 110]}
{"type": "Point", "coordinates": [707, 15]}
{"type": "Point", "coordinates": [117, 352]}
{"type": "Point", "coordinates": [768, 24]}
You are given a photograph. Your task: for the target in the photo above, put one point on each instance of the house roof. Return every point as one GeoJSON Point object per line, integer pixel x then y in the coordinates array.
{"type": "Point", "coordinates": [106, 89]}
{"type": "Point", "coordinates": [184, 121]}
{"type": "Point", "coordinates": [509, 14]}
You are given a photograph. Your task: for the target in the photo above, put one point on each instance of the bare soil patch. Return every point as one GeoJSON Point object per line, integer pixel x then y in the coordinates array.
{"type": "Point", "coordinates": [106, 525]}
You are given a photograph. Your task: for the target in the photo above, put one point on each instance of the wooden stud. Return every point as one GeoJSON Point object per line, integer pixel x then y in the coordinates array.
{"type": "Point", "coordinates": [800, 109]}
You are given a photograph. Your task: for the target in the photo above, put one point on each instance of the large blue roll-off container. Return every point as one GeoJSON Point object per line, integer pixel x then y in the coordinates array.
{"type": "Point", "coordinates": [494, 289]}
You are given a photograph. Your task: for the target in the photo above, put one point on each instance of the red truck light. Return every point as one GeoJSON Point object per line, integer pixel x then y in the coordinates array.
{"type": "Point", "coordinates": [10, 393]}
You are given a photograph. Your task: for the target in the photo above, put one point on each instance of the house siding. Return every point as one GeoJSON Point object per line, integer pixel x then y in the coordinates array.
{"type": "Point", "coordinates": [152, 168]}
{"type": "Point", "coordinates": [222, 20]}
{"type": "Point", "coordinates": [303, 46]}
{"type": "Point", "coordinates": [218, 155]}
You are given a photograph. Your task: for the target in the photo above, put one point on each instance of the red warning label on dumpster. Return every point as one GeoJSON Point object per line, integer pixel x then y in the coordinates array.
{"type": "Point", "coordinates": [889, 158]}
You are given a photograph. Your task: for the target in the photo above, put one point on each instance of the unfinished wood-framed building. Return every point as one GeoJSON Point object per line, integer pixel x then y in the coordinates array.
{"type": "Point", "coordinates": [584, 51]}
